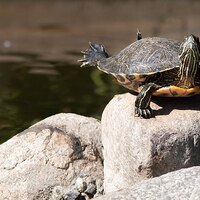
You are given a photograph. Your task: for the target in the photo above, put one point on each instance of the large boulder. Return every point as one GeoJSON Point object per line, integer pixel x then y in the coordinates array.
{"type": "Point", "coordinates": [59, 157]}
{"type": "Point", "coordinates": [183, 184]}
{"type": "Point", "coordinates": [136, 149]}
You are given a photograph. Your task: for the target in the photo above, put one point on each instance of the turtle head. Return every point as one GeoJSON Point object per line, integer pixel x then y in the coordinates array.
{"type": "Point", "coordinates": [189, 57]}
{"type": "Point", "coordinates": [190, 46]}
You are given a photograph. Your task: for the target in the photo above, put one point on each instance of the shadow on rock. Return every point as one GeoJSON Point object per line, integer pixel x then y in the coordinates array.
{"type": "Point", "coordinates": [168, 104]}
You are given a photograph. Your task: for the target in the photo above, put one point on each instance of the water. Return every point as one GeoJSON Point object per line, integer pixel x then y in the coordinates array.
{"type": "Point", "coordinates": [40, 43]}
{"type": "Point", "coordinates": [33, 91]}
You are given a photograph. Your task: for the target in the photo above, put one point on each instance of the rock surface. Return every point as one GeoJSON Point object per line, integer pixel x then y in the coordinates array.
{"type": "Point", "coordinates": [136, 149]}
{"type": "Point", "coordinates": [183, 184]}
{"type": "Point", "coordinates": [59, 157]}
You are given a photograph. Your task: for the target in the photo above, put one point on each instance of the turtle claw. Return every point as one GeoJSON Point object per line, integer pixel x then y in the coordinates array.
{"type": "Point", "coordinates": [139, 35]}
{"type": "Point", "coordinates": [144, 113]}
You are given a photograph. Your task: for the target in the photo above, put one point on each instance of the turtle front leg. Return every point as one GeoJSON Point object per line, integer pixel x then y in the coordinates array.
{"type": "Point", "coordinates": [142, 103]}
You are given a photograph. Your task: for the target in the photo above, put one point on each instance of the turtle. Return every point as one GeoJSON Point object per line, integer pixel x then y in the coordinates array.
{"type": "Point", "coordinates": [151, 66]}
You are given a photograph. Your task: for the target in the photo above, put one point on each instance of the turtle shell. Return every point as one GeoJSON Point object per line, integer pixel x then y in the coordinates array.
{"type": "Point", "coordinates": [145, 56]}
{"type": "Point", "coordinates": [148, 57]}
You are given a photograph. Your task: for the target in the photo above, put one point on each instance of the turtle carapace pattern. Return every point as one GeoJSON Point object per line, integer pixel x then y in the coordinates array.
{"type": "Point", "coordinates": [151, 66]}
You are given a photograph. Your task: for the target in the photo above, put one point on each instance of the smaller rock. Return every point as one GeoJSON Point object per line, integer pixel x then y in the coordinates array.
{"type": "Point", "coordinates": [72, 195]}
{"type": "Point", "coordinates": [91, 189]}
{"type": "Point", "coordinates": [80, 185]}
{"type": "Point", "coordinates": [178, 185]}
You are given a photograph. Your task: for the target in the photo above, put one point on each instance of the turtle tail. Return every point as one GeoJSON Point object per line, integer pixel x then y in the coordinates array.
{"type": "Point", "coordinates": [95, 53]}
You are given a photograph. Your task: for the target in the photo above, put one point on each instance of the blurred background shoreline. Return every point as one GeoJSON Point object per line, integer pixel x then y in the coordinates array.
{"type": "Point", "coordinates": [67, 26]}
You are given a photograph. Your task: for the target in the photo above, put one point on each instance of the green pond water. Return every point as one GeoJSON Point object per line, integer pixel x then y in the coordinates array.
{"type": "Point", "coordinates": [33, 90]}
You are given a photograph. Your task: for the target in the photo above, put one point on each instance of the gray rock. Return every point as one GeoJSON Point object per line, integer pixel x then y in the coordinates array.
{"type": "Point", "coordinates": [80, 184]}
{"type": "Point", "coordinates": [183, 184]}
{"type": "Point", "coordinates": [136, 149]}
{"type": "Point", "coordinates": [46, 160]}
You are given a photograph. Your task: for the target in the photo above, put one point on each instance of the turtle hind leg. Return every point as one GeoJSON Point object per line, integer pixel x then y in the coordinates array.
{"type": "Point", "coordinates": [95, 53]}
{"type": "Point", "coordinates": [142, 103]}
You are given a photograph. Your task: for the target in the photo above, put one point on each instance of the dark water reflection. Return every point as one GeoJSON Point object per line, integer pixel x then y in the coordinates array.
{"type": "Point", "coordinates": [33, 90]}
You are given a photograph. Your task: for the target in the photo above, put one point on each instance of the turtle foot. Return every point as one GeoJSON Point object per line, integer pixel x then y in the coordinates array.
{"type": "Point", "coordinates": [93, 54]}
{"type": "Point", "coordinates": [143, 112]}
